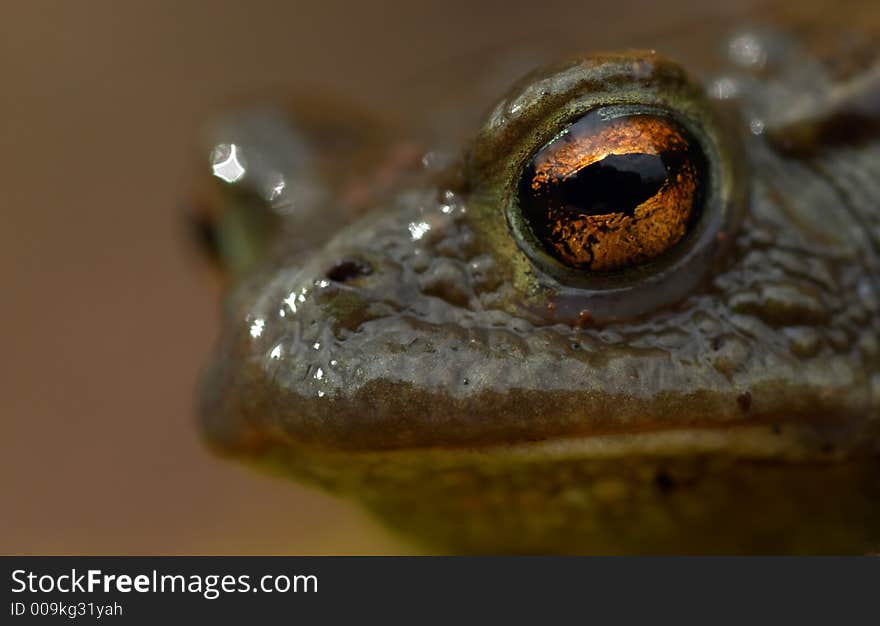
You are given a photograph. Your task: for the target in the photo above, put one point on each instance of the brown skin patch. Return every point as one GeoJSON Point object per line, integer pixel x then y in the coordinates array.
{"type": "Point", "coordinates": [648, 211]}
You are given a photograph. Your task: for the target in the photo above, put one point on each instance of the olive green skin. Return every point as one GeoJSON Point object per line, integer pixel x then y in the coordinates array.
{"type": "Point", "coordinates": [725, 399]}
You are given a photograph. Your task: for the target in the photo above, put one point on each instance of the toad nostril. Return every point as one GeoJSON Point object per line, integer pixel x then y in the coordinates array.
{"type": "Point", "coordinates": [348, 268]}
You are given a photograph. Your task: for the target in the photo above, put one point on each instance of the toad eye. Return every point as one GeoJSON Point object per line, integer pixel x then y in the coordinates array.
{"type": "Point", "coordinates": [609, 184]}
{"type": "Point", "coordinates": [613, 190]}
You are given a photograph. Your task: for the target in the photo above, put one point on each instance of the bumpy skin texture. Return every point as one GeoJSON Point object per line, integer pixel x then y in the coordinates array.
{"type": "Point", "coordinates": [411, 354]}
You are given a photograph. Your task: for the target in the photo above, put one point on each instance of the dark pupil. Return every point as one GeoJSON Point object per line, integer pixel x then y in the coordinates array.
{"type": "Point", "coordinates": [616, 184]}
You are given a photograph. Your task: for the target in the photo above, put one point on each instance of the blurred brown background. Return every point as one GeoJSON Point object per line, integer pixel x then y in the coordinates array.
{"type": "Point", "coordinates": [107, 314]}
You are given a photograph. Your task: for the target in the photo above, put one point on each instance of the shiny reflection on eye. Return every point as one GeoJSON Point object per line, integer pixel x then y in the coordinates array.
{"type": "Point", "coordinates": [226, 163]}
{"type": "Point", "coordinates": [418, 229]}
{"type": "Point", "coordinates": [319, 374]}
{"type": "Point", "coordinates": [276, 352]}
{"type": "Point", "coordinates": [257, 327]}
